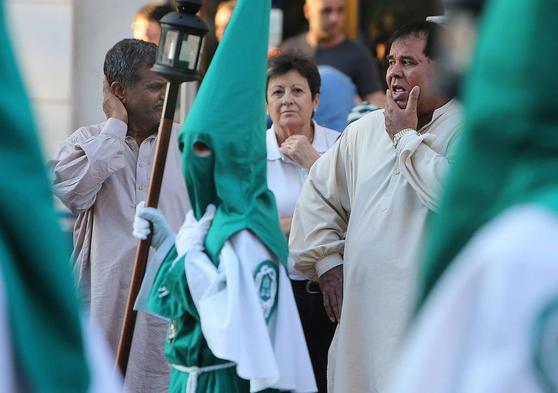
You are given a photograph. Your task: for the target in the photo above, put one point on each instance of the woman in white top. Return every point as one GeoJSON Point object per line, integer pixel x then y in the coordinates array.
{"type": "Point", "coordinates": [294, 143]}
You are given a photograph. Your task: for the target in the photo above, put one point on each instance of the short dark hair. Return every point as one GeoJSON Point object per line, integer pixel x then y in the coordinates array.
{"type": "Point", "coordinates": [123, 60]}
{"type": "Point", "coordinates": [154, 12]}
{"type": "Point", "coordinates": [289, 60]}
{"type": "Point", "coordinates": [418, 28]}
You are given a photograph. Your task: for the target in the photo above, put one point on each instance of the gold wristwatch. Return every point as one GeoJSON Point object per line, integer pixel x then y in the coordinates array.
{"type": "Point", "coordinates": [400, 134]}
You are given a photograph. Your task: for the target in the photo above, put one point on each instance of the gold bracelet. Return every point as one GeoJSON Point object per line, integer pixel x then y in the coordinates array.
{"type": "Point", "coordinates": [400, 134]}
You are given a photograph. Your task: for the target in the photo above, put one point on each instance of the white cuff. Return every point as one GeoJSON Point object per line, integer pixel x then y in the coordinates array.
{"type": "Point", "coordinates": [115, 127]}
{"type": "Point", "coordinates": [328, 263]}
{"type": "Point", "coordinates": [407, 138]}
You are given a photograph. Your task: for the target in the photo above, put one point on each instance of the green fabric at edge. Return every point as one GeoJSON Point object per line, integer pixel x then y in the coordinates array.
{"type": "Point", "coordinates": [42, 303]}
{"type": "Point", "coordinates": [509, 150]}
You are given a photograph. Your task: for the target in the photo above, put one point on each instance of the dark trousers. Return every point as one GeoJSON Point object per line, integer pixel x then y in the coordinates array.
{"type": "Point", "coordinates": [318, 329]}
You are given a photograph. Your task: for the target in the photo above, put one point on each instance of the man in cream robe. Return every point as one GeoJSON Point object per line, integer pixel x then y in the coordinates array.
{"type": "Point", "coordinates": [361, 216]}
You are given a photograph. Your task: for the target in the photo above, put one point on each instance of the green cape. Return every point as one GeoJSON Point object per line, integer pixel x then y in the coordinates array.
{"type": "Point", "coordinates": [509, 151]}
{"type": "Point", "coordinates": [228, 116]}
{"type": "Point", "coordinates": [34, 256]}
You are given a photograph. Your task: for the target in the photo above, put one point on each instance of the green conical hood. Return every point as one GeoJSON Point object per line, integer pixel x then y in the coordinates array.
{"type": "Point", "coordinates": [34, 256]}
{"type": "Point", "coordinates": [509, 151]}
{"type": "Point", "coordinates": [228, 116]}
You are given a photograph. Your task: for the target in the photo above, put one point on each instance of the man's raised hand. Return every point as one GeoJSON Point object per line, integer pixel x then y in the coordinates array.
{"type": "Point", "coordinates": [397, 119]}
{"type": "Point", "coordinates": [112, 106]}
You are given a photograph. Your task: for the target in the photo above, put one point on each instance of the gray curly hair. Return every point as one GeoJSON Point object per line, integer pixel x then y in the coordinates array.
{"type": "Point", "coordinates": [123, 60]}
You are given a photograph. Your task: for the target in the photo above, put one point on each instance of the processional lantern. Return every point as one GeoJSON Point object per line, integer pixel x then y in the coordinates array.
{"type": "Point", "coordinates": [178, 58]}
{"type": "Point", "coordinates": [182, 34]}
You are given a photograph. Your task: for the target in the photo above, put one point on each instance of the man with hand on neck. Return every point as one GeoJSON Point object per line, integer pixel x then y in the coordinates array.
{"type": "Point", "coordinates": [360, 221]}
{"type": "Point", "coordinates": [101, 173]}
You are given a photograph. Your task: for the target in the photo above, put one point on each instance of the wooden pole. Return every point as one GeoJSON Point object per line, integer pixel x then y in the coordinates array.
{"type": "Point", "coordinates": [142, 250]}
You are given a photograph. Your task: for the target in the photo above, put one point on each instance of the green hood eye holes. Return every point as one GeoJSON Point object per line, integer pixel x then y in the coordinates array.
{"type": "Point", "coordinates": [201, 149]}
{"type": "Point", "coordinates": [198, 167]}
{"type": "Point", "coordinates": [223, 150]}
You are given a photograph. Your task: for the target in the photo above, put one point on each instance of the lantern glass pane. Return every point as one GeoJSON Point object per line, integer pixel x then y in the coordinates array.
{"type": "Point", "coordinates": [189, 52]}
{"type": "Point", "coordinates": [169, 49]}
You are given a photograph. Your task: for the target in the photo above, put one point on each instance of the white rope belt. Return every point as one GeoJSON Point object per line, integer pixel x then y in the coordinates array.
{"type": "Point", "coordinates": [194, 372]}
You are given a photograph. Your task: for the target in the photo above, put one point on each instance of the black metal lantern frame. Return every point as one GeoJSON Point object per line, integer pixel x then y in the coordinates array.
{"type": "Point", "coordinates": [181, 43]}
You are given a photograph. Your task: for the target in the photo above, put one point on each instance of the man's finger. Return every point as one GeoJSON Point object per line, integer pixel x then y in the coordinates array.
{"type": "Point", "coordinates": [337, 311]}
{"type": "Point", "coordinates": [327, 307]}
{"type": "Point", "coordinates": [412, 101]}
{"type": "Point", "coordinates": [338, 301]}
{"type": "Point", "coordinates": [389, 98]}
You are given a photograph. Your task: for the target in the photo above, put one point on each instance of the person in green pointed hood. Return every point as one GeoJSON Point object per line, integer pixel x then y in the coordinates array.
{"type": "Point", "coordinates": [35, 280]}
{"type": "Point", "coordinates": [490, 278]}
{"type": "Point", "coordinates": [222, 283]}
{"type": "Point", "coordinates": [224, 154]}
{"type": "Point", "coordinates": [508, 148]}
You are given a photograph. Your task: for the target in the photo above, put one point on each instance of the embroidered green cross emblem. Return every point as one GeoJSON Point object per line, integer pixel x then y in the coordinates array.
{"type": "Point", "coordinates": [266, 278]}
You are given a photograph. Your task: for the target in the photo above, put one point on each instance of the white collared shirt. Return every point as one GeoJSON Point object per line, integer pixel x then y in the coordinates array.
{"type": "Point", "coordinates": [285, 177]}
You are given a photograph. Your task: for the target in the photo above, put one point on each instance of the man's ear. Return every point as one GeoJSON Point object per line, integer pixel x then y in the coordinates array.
{"type": "Point", "coordinates": [119, 91]}
{"type": "Point", "coordinates": [306, 10]}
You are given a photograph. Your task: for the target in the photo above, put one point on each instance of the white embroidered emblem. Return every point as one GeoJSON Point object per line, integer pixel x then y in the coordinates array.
{"type": "Point", "coordinates": [266, 279]}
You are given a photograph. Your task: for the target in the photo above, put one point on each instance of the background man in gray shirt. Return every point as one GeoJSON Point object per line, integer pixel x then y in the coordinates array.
{"type": "Point", "coordinates": [326, 43]}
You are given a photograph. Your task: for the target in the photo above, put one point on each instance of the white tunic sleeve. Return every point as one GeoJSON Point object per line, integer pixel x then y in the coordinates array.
{"type": "Point", "coordinates": [423, 167]}
{"type": "Point", "coordinates": [321, 216]}
{"type": "Point", "coordinates": [85, 161]}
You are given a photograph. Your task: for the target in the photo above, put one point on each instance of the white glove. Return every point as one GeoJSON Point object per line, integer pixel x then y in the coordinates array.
{"type": "Point", "coordinates": [162, 232]}
{"type": "Point", "coordinates": [192, 233]}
